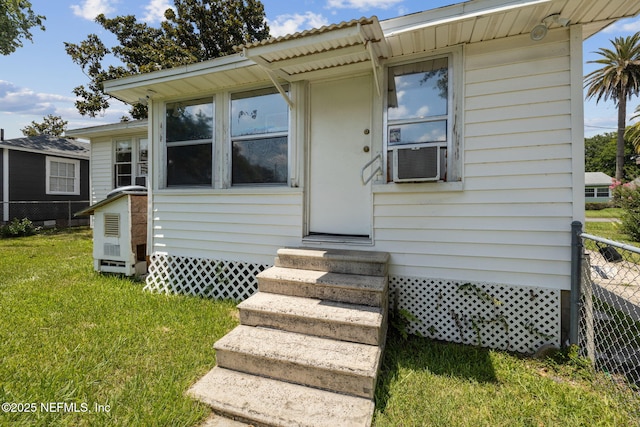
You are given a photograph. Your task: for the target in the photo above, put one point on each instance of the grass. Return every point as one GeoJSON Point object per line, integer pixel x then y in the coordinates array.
{"type": "Point", "coordinates": [70, 335]}
{"type": "Point", "coordinates": [604, 213]}
{"type": "Point", "coordinates": [608, 230]}
{"type": "Point", "coordinates": [611, 231]}
{"type": "Point", "coordinates": [426, 383]}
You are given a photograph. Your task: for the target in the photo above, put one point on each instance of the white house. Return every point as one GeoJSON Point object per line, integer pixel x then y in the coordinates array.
{"type": "Point", "coordinates": [118, 156]}
{"type": "Point", "coordinates": [596, 187]}
{"type": "Point", "coordinates": [451, 139]}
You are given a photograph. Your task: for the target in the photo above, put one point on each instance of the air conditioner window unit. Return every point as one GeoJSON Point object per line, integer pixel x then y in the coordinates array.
{"type": "Point", "coordinates": [418, 163]}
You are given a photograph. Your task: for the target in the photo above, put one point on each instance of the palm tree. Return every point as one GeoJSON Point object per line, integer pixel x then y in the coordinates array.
{"type": "Point", "coordinates": [618, 80]}
{"type": "Point", "coordinates": [633, 131]}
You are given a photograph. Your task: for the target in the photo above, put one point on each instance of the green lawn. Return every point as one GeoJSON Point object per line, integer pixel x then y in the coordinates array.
{"type": "Point", "coordinates": [604, 213]}
{"type": "Point", "coordinates": [71, 336]}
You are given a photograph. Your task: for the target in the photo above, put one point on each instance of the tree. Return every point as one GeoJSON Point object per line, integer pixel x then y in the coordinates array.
{"type": "Point", "coordinates": [618, 80]}
{"type": "Point", "coordinates": [52, 125]}
{"type": "Point", "coordinates": [16, 21]}
{"type": "Point", "coordinates": [196, 31]}
{"type": "Point", "coordinates": [600, 156]}
{"type": "Point", "coordinates": [633, 131]}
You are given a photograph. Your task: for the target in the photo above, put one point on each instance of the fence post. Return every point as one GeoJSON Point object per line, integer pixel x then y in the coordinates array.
{"type": "Point", "coordinates": [576, 280]}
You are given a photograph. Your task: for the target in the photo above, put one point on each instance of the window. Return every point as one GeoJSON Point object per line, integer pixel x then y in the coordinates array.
{"type": "Point", "coordinates": [131, 161]}
{"type": "Point", "coordinates": [589, 192]}
{"type": "Point", "coordinates": [189, 142]}
{"type": "Point", "coordinates": [123, 163]}
{"type": "Point", "coordinates": [62, 176]}
{"type": "Point", "coordinates": [419, 120]}
{"type": "Point", "coordinates": [259, 138]}
{"type": "Point", "coordinates": [143, 162]}
{"type": "Point", "coordinates": [602, 192]}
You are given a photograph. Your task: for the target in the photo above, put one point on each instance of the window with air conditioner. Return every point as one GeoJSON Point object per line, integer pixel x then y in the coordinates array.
{"type": "Point", "coordinates": [419, 121]}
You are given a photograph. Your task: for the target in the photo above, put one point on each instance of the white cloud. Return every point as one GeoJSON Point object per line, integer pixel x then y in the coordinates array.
{"type": "Point", "coordinates": [631, 25]}
{"type": "Point", "coordinates": [362, 4]}
{"type": "Point", "coordinates": [155, 10]}
{"type": "Point", "coordinates": [19, 106]}
{"type": "Point", "coordinates": [293, 23]}
{"type": "Point", "coordinates": [19, 100]}
{"type": "Point", "coordinates": [89, 9]}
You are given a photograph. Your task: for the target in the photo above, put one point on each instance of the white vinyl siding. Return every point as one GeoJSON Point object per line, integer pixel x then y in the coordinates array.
{"type": "Point", "coordinates": [227, 225]}
{"type": "Point", "coordinates": [101, 168]}
{"type": "Point", "coordinates": [507, 221]}
{"type": "Point", "coordinates": [510, 221]}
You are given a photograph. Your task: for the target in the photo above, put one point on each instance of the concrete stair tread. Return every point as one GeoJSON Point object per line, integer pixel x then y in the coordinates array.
{"type": "Point", "coordinates": [321, 318]}
{"type": "Point", "coordinates": [338, 280]}
{"type": "Point", "coordinates": [336, 254]}
{"type": "Point", "coordinates": [334, 260]}
{"type": "Point", "coordinates": [265, 401]}
{"type": "Point", "coordinates": [334, 312]}
{"type": "Point", "coordinates": [302, 350]}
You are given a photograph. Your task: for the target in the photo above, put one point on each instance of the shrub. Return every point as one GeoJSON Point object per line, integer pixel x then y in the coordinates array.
{"type": "Point", "coordinates": [17, 228]}
{"type": "Point", "coordinates": [627, 196]}
{"type": "Point", "coordinates": [598, 206]}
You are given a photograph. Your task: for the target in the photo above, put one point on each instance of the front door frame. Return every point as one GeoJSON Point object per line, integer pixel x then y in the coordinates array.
{"type": "Point", "coordinates": [308, 237]}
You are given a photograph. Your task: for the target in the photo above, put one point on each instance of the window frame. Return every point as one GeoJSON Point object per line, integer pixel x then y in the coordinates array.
{"type": "Point", "coordinates": [591, 190]}
{"type": "Point", "coordinates": [136, 164]}
{"type": "Point", "coordinates": [76, 177]}
{"type": "Point", "coordinates": [453, 161]}
{"type": "Point", "coordinates": [603, 189]}
{"type": "Point", "coordinates": [117, 164]}
{"type": "Point", "coordinates": [256, 137]}
{"type": "Point", "coordinates": [208, 99]}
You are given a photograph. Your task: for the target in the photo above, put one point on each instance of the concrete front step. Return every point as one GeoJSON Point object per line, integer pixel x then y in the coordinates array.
{"type": "Point", "coordinates": [368, 263]}
{"type": "Point", "coordinates": [340, 287]}
{"type": "Point", "coordinates": [264, 401]}
{"type": "Point", "coordinates": [339, 366]}
{"type": "Point", "coordinates": [337, 320]}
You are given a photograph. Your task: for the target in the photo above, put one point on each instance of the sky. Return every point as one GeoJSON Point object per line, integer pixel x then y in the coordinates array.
{"type": "Point", "coordinates": [38, 79]}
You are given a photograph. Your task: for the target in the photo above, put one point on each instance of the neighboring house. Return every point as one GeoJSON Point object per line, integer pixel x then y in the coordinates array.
{"type": "Point", "coordinates": [596, 187]}
{"type": "Point", "coordinates": [469, 118]}
{"type": "Point", "coordinates": [118, 155]}
{"type": "Point", "coordinates": [43, 178]}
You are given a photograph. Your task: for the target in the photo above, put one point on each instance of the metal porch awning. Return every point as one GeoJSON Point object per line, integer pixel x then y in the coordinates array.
{"type": "Point", "coordinates": [338, 49]}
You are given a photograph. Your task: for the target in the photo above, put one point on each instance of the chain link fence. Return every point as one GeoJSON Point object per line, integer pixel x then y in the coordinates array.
{"type": "Point", "coordinates": [609, 326]}
{"type": "Point", "coordinates": [45, 213]}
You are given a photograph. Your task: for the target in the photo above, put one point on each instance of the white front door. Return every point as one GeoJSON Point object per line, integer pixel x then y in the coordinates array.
{"type": "Point", "coordinates": [340, 145]}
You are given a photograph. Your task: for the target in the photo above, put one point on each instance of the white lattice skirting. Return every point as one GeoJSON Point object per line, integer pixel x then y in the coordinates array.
{"type": "Point", "coordinates": [203, 277]}
{"type": "Point", "coordinates": [505, 317]}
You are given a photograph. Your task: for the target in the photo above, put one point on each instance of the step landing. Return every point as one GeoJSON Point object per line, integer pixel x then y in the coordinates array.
{"type": "Point", "coordinates": [368, 263]}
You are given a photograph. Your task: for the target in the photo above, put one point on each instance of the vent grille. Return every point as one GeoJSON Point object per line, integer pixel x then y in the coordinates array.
{"type": "Point", "coordinates": [111, 249]}
{"type": "Point", "coordinates": [111, 225]}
